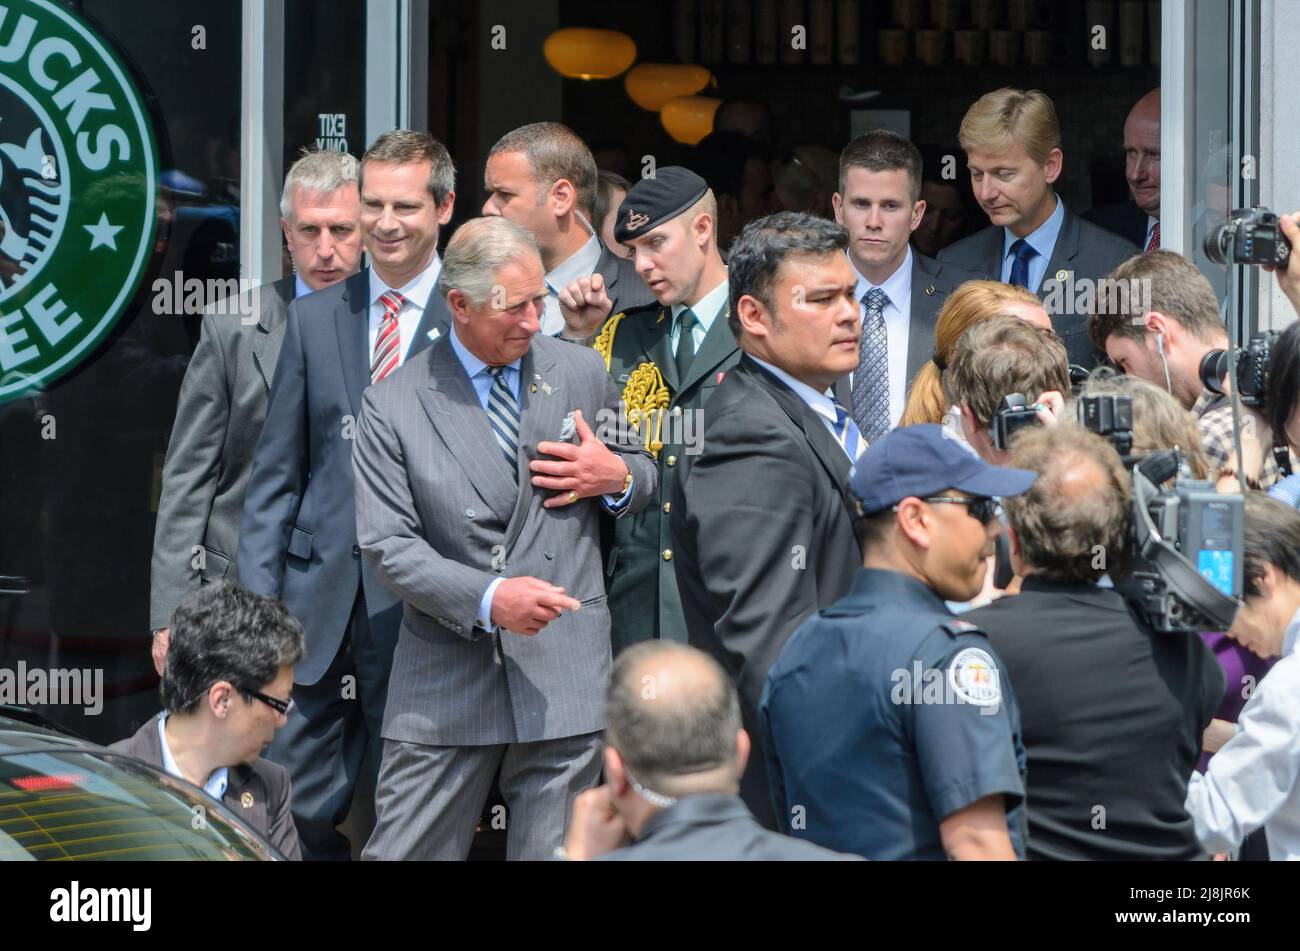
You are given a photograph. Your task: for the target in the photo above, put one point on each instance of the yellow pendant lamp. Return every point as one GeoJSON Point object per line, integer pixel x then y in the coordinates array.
{"type": "Point", "coordinates": [583, 53]}
{"type": "Point", "coordinates": [651, 85]}
{"type": "Point", "coordinates": [689, 118]}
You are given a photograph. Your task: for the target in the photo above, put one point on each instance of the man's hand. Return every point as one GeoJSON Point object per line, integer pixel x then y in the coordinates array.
{"type": "Point", "coordinates": [1051, 407]}
{"type": "Point", "coordinates": [585, 305]}
{"type": "Point", "coordinates": [1289, 280]}
{"type": "Point", "coordinates": [587, 469]}
{"type": "Point", "coordinates": [526, 605]}
{"type": "Point", "coordinates": [162, 639]}
{"type": "Point", "coordinates": [596, 826]}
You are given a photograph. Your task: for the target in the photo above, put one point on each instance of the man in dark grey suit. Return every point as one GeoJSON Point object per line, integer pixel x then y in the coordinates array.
{"type": "Point", "coordinates": [1138, 219]}
{"type": "Point", "coordinates": [879, 204]}
{"type": "Point", "coordinates": [674, 754]}
{"type": "Point", "coordinates": [225, 691]}
{"type": "Point", "coordinates": [504, 645]}
{"type": "Point", "coordinates": [763, 525]}
{"type": "Point", "coordinates": [543, 178]}
{"type": "Point", "coordinates": [1013, 148]}
{"type": "Point", "coordinates": [223, 399]}
{"type": "Point", "coordinates": [298, 538]}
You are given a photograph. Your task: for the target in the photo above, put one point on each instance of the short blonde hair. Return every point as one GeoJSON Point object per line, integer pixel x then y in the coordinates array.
{"type": "Point", "coordinates": [1005, 116]}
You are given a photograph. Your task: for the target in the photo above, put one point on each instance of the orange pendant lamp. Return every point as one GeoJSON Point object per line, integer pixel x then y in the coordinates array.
{"type": "Point", "coordinates": [689, 118]}
{"type": "Point", "coordinates": [651, 85]}
{"type": "Point", "coordinates": [584, 53]}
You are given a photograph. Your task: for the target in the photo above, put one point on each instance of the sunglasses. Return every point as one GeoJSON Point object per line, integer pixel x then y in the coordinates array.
{"type": "Point", "coordinates": [280, 706]}
{"type": "Point", "coordinates": [982, 510]}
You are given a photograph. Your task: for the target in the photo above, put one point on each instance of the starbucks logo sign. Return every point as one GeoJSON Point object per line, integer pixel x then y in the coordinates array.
{"type": "Point", "coordinates": [78, 185]}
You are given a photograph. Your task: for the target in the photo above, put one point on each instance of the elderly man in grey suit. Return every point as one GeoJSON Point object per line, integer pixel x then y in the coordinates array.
{"type": "Point", "coordinates": [1013, 147]}
{"type": "Point", "coordinates": [222, 402]}
{"type": "Point", "coordinates": [504, 644]}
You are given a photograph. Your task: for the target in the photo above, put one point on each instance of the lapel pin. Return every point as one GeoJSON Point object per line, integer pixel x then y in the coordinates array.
{"type": "Point", "coordinates": [246, 800]}
{"type": "Point", "coordinates": [662, 315]}
{"type": "Point", "coordinates": [434, 333]}
{"type": "Point", "coordinates": [532, 387]}
{"type": "Point", "coordinates": [1062, 274]}
{"type": "Point", "coordinates": [929, 290]}
{"type": "Point", "coordinates": [546, 388]}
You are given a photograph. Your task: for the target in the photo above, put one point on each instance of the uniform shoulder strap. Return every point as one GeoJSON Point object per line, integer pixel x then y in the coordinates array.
{"type": "Point", "coordinates": [956, 627]}
{"type": "Point", "coordinates": [604, 344]}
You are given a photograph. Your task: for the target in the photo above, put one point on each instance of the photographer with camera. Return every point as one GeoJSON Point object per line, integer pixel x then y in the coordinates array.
{"type": "Point", "coordinates": [1254, 780]}
{"type": "Point", "coordinates": [1164, 336]}
{"type": "Point", "coordinates": [995, 366]}
{"type": "Point", "coordinates": [1110, 746]}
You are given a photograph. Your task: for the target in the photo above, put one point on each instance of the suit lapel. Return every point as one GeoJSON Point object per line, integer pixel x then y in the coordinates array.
{"type": "Point", "coordinates": [1064, 251]}
{"type": "Point", "coordinates": [454, 409]}
{"type": "Point", "coordinates": [832, 456]}
{"type": "Point", "coordinates": [274, 303]}
{"type": "Point", "coordinates": [660, 348]}
{"type": "Point", "coordinates": [607, 267]}
{"type": "Point", "coordinates": [542, 403]}
{"type": "Point", "coordinates": [352, 330]}
{"type": "Point", "coordinates": [719, 344]}
{"type": "Point", "coordinates": [251, 810]}
{"type": "Point", "coordinates": [434, 317]}
{"type": "Point", "coordinates": [927, 297]}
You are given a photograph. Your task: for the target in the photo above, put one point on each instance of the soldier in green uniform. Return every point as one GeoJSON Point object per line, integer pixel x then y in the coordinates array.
{"type": "Point", "coordinates": [667, 358]}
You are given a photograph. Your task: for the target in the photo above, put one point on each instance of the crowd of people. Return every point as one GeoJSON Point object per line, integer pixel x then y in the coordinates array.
{"type": "Point", "coordinates": [692, 527]}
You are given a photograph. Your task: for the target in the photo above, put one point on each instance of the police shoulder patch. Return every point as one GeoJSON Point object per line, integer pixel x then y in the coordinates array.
{"type": "Point", "coordinates": [973, 677]}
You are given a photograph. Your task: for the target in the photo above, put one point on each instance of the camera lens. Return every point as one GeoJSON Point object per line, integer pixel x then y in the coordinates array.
{"type": "Point", "coordinates": [1216, 244]}
{"type": "Point", "coordinates": [1214, 367]}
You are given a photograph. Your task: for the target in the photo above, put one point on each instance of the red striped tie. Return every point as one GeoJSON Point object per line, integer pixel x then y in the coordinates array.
{"type": "Point", "coordinates": [388, 343]}
{"type": "Point", "coordinates": [1153, 243]}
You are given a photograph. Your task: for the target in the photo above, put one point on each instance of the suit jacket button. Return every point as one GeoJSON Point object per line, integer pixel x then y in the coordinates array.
{"type": "Point", "coordinates": [668, 507]}
{"type": "Point", "coordinates": [668, 554]}
{"type": "Point", "coordinates": [356, 549]}
{"type": "Point", "coordinates": [470, 513]}
{"type": "Point", "coordinates": [672, 461]}
{"type": "Point", "coordinates": [677, 411]}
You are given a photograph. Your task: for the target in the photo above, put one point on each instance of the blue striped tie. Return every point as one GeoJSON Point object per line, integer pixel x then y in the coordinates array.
{"type": "Point", "coordinates": [847, 433]}
{"type": "Point", "coordinates": [503, 414]}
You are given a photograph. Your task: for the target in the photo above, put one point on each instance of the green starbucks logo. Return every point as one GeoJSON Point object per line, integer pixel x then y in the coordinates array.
{"type": "Point", "coordinates": [78, 184]}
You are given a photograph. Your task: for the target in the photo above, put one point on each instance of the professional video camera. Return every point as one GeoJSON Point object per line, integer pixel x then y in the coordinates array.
{"type": "Point", "coordinates": [1249, 236]}
{"type": "Point", "coordinates": [1182, 566]}
{"type": "Point", "coordinates": [1252, 369]}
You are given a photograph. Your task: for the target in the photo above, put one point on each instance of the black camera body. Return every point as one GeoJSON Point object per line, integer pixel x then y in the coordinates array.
{"type": "Point", "coordinates": [1013, 417]}
{"type": "Point", "coordinates": [1109, 415]}
{"type": "Point", "coordinates": [1252, 369]}
{"type": "Point", "coordinates": [1255, 237]}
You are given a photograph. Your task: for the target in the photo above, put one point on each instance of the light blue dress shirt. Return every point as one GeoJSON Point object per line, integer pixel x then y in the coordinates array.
{"type": "Point", "coordinates": [819, 403]}
{"type": "Point", "coordinates": [482, 381]}
{"type": "Point", "coordinates": [1042, 240]}
{"type": "Point", "coordinates": [707, 309]}
{"type": "Point", "coordinates": [300, 288]}
{"type": "Point", "coordinates": [217, 782]}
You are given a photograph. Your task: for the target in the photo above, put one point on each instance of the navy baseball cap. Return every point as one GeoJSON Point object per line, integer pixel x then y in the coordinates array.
{"type": "Point", "coordinates": [925, 459]}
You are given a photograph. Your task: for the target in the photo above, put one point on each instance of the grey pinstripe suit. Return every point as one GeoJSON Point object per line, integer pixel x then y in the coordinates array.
{"type": "Point", "coordinates": [439, 517]}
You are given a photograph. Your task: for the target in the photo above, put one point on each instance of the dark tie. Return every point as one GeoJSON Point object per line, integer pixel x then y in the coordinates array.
{"type": "Point", "coordinates": [686, 321]}
{"type": "Point", "coordinates": [503, 414]}
{"type": "Point", "coordinates": [1023, 251]}
{"type": "Point", "coordinates": [871, 381]}
{"type": "Point", "coordinates": [1153, 242]}
{"type": "Point", "coordinates": [846, 431]}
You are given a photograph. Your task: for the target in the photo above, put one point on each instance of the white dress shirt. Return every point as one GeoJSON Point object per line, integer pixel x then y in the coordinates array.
{"type": "Point", "coordinates": [898, 325]}
{"type": "Point", "coordinates": [216, 783]}
{"type": "Point", "coordinates": [1254, 779]}
{"type": "Point", "coordinates": [581, 263]}
{"type": "Point", "coordinates": [819, 403]}
{"type": "Point", "coordinates": [706, 310]}
{"type": "Point", "coordinates": [417, 293]}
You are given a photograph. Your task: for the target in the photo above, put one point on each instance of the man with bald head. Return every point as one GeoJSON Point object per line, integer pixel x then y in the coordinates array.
{"type": "Point", "coordinates": [674, 755]}
{"type": "Point", "coordinates": [1111, 711]}
{"type": "Point", "coordinates": [1138, 219]}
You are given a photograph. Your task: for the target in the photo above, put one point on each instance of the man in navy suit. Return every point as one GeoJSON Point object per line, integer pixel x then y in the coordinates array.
{"type": "Point", "coordinates": [900, 290]}
{"type": "Point", "coordinates": [298, 537]}
{"type": "Point", "coordinates": [1013, 148]}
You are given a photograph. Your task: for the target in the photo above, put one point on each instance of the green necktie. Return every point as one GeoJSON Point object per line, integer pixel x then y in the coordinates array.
{"type": "Point", "coordinates": [686, 321]}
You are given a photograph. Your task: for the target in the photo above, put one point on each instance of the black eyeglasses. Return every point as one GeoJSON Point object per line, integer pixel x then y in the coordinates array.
{"type": "Point", "coordinates": [982, 510]}
{"type": "Point", "coordinates": [280, 706]}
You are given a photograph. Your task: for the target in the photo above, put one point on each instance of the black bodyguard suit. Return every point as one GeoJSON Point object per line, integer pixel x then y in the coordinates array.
{"type": "Point", "coordinates": [257, 792]}
{"type": "Point", "coordinates": [643, 598]}
{"type": "Point", "coordinates": [1125, 219]}
{"type": "Point", "coordinates": [298, 543]}
{"type": "Point", "coordinates": [1082, 249]}
{"type": "Point", "coordinates": [932, 282]}
{"type": "Point", "coordinates": [762, 536]}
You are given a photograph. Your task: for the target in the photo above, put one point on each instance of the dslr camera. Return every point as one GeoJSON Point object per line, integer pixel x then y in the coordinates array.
{"type": "Point", "coordinates": [1182, 566]}
{"type": "Point", "coordinates": [1014, 416]}
{"type": "Point", "coordinates": [1252, 369]}
{"type": "Point", "coordinates": [1249, 236]}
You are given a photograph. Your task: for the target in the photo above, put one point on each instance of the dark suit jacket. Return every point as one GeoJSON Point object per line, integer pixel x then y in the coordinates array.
{"type": "Point", "coordinates": [298, 537]}
{"type": "Point", "coordinates": [762, 536]}
{"type": "Point", "coordinates": [265, 782]}
{"type": "Point", "coordinates": [210, 454]}
{"type": "Point", "coordinates": [1125, 219]}
{"type": "Point", "coordinates": [932, 282]}
{"type": "Point", "coordinates": [623, 284]}
{"type": "Point", "coordinates": [1082, 251]}
{"type": "Point", "coordinates": [714, 827]}
{"type": "Point", "coordinates": [643, 598]}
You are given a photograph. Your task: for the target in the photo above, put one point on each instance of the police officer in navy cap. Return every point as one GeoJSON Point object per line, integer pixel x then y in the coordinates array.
{"type": "Point", "coordinates": [667, 359]}
{"type": "Point", "coordinates": [888, 729]}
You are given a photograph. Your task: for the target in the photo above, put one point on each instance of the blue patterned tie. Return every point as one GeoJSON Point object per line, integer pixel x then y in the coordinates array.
{"type": "Point", "coordinates": [1023, 251]}
{"type": "Point", "coordinates": [871, 381]}
{"type": "Point", "coordinates": [846, 431]}
{"type": "Point", "coordinates": [503, 414]}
